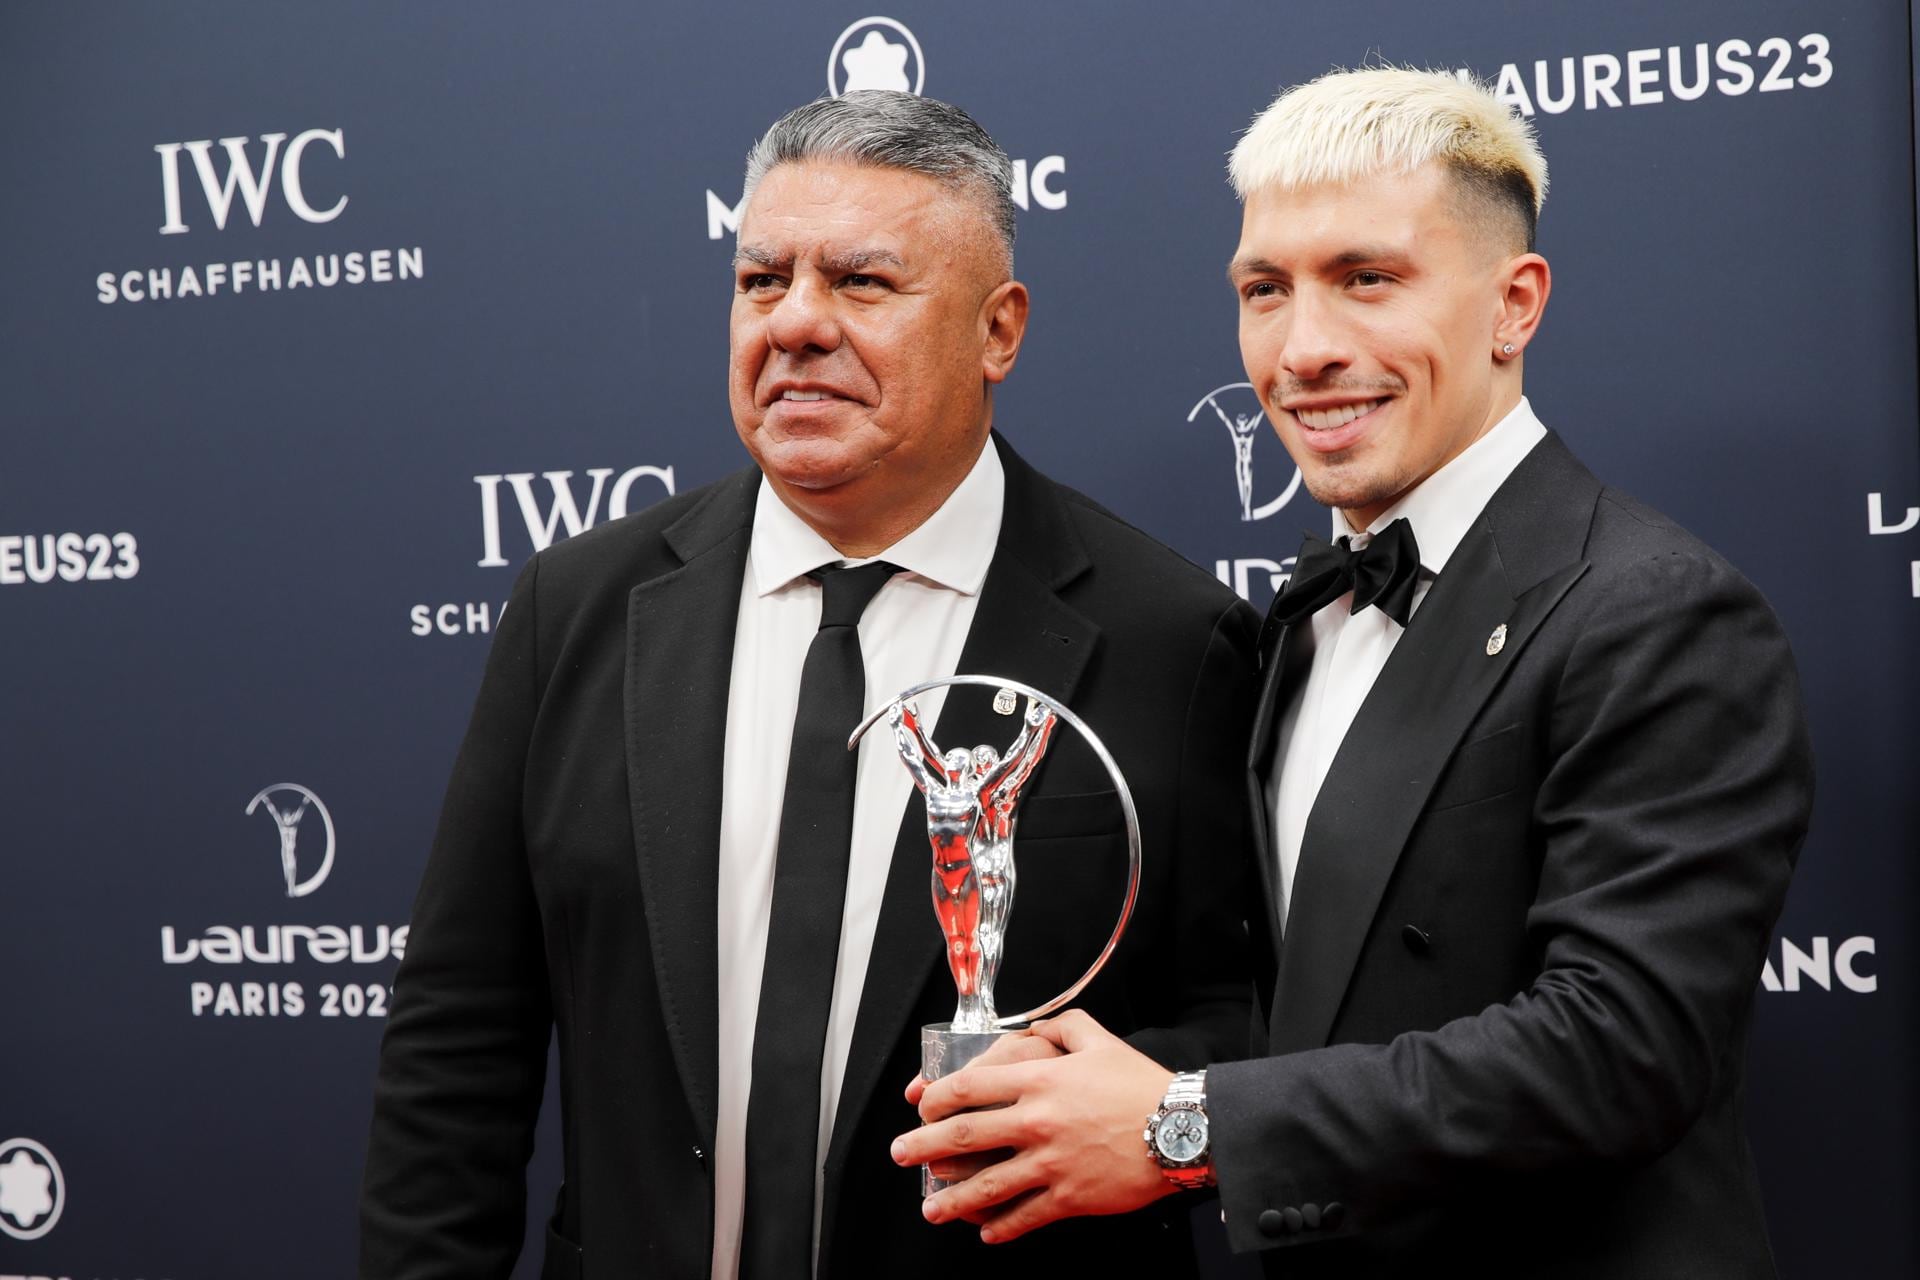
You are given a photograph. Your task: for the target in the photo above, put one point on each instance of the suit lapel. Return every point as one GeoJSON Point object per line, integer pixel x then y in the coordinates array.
{"type": "Point", "coordinates": [680, 629]}
{"type": "Point", "coordinates": [1021, 630]}
{"type": "Point", "coordinates": [1279, 673]}
{"type": "Point", "coordinates": [1512, 568]}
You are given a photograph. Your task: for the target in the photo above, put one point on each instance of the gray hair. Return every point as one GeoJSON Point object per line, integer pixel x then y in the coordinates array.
{"type": "Point", "coordinates": [894, 130]}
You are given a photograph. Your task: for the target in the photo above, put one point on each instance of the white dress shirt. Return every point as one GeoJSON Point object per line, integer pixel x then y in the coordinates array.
{"type": "Point", "coordinates": [911, 632]}
{"type": "Point", "coordinates": [1349, 650]}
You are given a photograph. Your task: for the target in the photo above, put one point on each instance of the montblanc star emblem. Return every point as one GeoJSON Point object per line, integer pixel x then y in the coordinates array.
{"type": "Point", "coordinates": [876, 63]}
{"type": "Point", "coordinates": [32, 1190]}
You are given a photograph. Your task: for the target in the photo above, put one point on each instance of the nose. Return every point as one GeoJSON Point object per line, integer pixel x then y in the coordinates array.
{"type": "Point", "coordinates": [804, 319]}
{"type": "Point", "coordinates": [1315, 344]}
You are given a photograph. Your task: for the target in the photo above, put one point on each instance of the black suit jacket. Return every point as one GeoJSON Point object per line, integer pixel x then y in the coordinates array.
{"type": "Point", "coordinates": [1510, 1009]}
{"type": "Point", "coordinates": [573, 884]}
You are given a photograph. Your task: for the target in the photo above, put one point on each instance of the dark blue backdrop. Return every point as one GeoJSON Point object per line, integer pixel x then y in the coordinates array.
{"type": "Point", "coordinates": [293, 509]}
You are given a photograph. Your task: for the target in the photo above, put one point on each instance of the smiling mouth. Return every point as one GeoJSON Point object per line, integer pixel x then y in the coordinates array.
{"type": "Point", "coordinates": [1338, 416]}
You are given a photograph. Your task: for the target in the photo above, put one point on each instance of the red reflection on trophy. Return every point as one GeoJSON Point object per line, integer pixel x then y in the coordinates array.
{"type": "Point", "coordinates": [972, 799]}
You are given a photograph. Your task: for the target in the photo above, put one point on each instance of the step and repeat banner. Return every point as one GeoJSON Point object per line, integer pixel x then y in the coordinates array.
{"type": "Point", "coordinates": [317, 321]}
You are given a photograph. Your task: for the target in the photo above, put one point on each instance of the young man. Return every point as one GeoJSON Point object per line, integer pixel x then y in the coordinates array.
{"type": "Point", "coordinates": [1531, 767]}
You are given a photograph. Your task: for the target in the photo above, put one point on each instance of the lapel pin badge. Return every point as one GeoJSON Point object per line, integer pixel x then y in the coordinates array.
{"type": "Point", "coordinates": [1497, 641]}
{"type": "Point", "coordinates": [1005, 701]}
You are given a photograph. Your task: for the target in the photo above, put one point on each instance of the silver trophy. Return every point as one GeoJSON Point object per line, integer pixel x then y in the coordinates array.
{"type": "Point", "coordinates": [973, 798]}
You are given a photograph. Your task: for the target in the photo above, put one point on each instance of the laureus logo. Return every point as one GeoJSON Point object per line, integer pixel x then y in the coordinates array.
{"type": "Point", "coordinates": [876, 53]}
{"type": "Point", "coordinates": [289, 804]}
{"type": "Point", "coordinates": [33, 1192]}
{"type": "Point", "coordinates": [1239, 410]}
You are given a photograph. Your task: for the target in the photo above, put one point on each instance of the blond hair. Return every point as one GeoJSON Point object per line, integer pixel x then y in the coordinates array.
{"type": "Point", "coordinates": [1348, 125]}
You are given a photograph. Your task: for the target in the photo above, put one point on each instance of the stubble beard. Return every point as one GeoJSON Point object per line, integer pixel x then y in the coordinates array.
{"type": "Point", "coordinates": [1346, 483]}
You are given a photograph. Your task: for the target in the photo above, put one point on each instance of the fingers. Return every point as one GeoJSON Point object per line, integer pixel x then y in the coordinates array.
{"type": "Point", "coordinates": [991, 1186]}
{"type": "Point", "coordinates": [1074, 1031]}
{"type": "Point", "coordinates": [1022, 1214]}
{"type": "Point", "coordinates": [1020, 1046]}
{"type": "Point", "coordinates": [966, 1134]}
{"type": "Point", "coordinates": [960, 1168]}
{"type": "Point", "coordinates": [974, 1086]}
{"type": "Point", "coordinates": [1017, 1046]}
{"type": "Point", "coordinates": [986, 1216]}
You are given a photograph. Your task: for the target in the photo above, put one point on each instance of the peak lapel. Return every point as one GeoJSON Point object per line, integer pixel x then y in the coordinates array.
{"type": "Point", "coordinates": [679, 664]}
{"type": "Point", "coordinates": [1513, 567]}
{"type": "Point", "coordinates": [1281, 668]}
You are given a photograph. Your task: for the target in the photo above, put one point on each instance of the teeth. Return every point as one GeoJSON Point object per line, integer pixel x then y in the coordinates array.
{"type": "Point", "coordinates": [1327, 419]}
{"type": "Point", "coordinates": [803, 395]}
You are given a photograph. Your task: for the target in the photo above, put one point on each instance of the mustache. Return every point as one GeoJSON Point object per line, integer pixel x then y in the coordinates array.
{"type": "Point", "coordinates": [1294, 387]}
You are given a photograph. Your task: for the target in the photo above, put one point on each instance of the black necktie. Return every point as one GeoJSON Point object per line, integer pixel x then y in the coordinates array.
{"type": "Point", "coordinates": [1382, 574]}
{"type": "Point", "coordinates": [803, 936]}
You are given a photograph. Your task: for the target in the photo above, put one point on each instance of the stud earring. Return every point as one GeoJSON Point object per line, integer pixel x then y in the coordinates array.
{"type": "Point", "coordinates": [1506, 349]}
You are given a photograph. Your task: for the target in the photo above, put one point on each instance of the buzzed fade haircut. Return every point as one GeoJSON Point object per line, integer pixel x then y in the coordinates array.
{"type": "Point", "coordinates": [1348, 125]}
{"type": "Point", "coordinates": [893, 130]}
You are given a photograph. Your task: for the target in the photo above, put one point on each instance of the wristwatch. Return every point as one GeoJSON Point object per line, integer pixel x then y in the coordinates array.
{"type": "Point", "coordinates": [1177, 1133]}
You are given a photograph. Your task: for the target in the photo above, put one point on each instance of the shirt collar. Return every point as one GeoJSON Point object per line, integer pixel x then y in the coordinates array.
{"type": "Point", "coordinates": [952, 547]}
{"type": "Point", "coordinates": [1444, 506]}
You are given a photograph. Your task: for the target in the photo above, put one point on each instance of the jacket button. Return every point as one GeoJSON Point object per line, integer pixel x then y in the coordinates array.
{"type": "Point", "coordinates": [1294, 1219]}
{"type": "Point", "coordinates": [1310, 1214]}
{"type": "Point", "coordinates": [1272, 1223]}
{"type": "Point", "coordinates": [1416, 939]}
{"type": "Point", "coordinates": [1331, 1215]}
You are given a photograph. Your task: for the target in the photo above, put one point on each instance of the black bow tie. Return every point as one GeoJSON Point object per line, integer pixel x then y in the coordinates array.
{"type": "Point", "coordinates": [1382, 574]}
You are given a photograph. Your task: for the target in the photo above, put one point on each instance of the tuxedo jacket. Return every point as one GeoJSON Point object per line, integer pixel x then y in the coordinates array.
{"type": "Point", "coordinates": [1508, 1013]}
{"type": "Point", "coordinates": [572, 885]}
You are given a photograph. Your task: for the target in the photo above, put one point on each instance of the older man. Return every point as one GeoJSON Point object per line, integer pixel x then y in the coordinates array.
{"type": "Point", "coordinates": [655, 841]}
{"type": "Point", "coordinates": [1531, 766]}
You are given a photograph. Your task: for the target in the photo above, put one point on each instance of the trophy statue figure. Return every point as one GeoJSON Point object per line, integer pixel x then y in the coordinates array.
{"type": "Point", "coordinates": [994, 834]}
{"type": "Point", "coordinates": [973, 800]}
{"type": "Point", "coordinates": [971, 797]}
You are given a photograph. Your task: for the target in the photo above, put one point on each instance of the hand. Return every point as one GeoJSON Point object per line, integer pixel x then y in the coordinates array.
{"type": "Point", "coordinates": [1018, 1046]}
{"type": "Point", "coordinates": [1073, 1124]}
{"type": "Point", "coordinates": [1015, 1046]}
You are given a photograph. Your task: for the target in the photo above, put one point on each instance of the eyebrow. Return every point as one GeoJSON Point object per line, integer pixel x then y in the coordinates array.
{"type": "Point", "coordinates": [1241, 268]}
{"type": "Point", "coordinates": [1367, 253]}
{"type": "Point", "coordinates": [761, 257]}
{"type": "Point", "coordinates": [832, 264]}
{"type": "Point", "coordinates": [857, 259]}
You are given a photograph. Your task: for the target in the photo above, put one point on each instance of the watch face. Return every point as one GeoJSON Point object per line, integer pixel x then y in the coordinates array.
{"type": "Point", "coordinates": [1182, 1136]}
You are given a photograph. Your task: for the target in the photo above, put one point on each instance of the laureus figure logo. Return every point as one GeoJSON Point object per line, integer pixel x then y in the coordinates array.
{"type": "Point", "coordinates": [295, 802]}
{"type": "Point", "coordinates": [1243, 416]}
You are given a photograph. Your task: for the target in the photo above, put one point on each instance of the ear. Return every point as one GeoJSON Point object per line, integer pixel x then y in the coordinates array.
{"type": "Point", "coordinates": [1003, 319]}
{"type": "Point", "coordinates": [1525, 283]}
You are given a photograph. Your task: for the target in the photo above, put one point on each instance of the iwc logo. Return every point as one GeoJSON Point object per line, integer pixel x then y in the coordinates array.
{"type": "Point", "coordinates": [288, 803]}
{"type": "Point", "coordinates": [1239, 410]}
{"type": "Point", "coordinates": [311, 189]}
{"type": "Point", "coordinates": [876, 53]}
{"type": "Point", "coordinates": [33, 1192]}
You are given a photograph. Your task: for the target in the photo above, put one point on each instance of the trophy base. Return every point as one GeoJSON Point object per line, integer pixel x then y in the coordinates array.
{"type": "Point", "coordinates": [944, 1051]}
